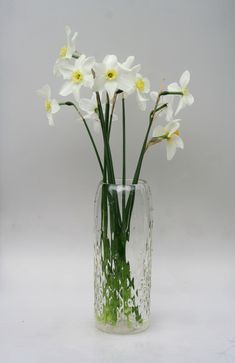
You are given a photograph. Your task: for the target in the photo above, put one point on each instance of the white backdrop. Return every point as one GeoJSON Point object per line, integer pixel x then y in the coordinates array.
{"type": "Point", "coordinates": [49, 177]}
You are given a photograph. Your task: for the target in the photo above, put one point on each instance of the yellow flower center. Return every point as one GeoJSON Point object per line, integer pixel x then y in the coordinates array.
{"type": "Point", "coordinates": [111, 74]}
{"type": "Point", "coordinates": [185, 91]}
{"type": "Point", "coordinates": [63, 52]}
{"type": "Point", "coordinates": [140, 84]}
{"type": "Point", "coordinates": [77, 77]}
{"type": "Point", "coordinates": [177, 133]}
{"type": "Point", "coordinates": [48, 106]}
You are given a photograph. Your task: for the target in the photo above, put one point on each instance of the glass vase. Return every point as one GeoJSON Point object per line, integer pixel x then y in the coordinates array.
{"type": "Point", "coordinates": [122, 273]}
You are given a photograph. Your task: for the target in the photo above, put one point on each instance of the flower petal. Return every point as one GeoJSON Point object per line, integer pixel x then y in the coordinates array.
{"type": "Point", "coordinates": [50, 119]}
{"type": "Point", "coordinates": [184, 79]}
{"type": "Point", "coordinates": [174, 87]}
{"type": "Point", "coordinates": [76, 92]}
{"type": "Point", "coordinates": [146, 85]}
{"type": "Point", "coordinates": [110, 61]}
{"type": "Point", "coordinates": [97, 126]}
{"type": "Point", "coordinates": [170, 149]}
{"type": "Point", "coordinates": [128, 62]}
{"type": "Point", "coordinates": [141, 100]}
{"type": "Point", "coordinates": [189, 99]}
{"type": "Point", "coordinates": [111, 87]}
{"type": "Point", "coordinates": [45, 91]}
{"type": "Point", "coordinates": [181, 105]}
{"type": "Point", "coordinates": [86, 105]}
{"type": "Point", "coordinates": [66, 89]}
{"type": "Point", "coordinates": [159, 131]}
{"type": "Point", "coordinates": [172, 127]}
{"type": "Point", "coordinates": [178, 141]}
{"type": "Point", "coordinates": [55, 107]}
{"type": "Point", "coordinates": [99, 83]}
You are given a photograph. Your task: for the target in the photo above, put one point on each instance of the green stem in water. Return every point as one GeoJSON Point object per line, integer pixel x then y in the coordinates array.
{"type": "Point", "coordinates": [123, 160]}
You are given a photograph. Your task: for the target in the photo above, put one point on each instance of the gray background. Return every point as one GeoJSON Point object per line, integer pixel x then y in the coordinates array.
{"type": "Point", "coordinates": [49, 176]}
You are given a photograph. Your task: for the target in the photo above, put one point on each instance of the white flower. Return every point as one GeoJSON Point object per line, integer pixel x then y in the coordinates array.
{"type": "Point", "coordinates": [111, 76]}
{"type": "Point", "coordinates": [170, 134]}
{"type": "Point", "coordinates": [77, 75]}
{"type": "Point", "coordinates": [187, 98]}
{"type": "Point", "coordinates": [140, 84]}
{"type": "Point", "coordinates": [51, 105]}
{"type": "Point", "coordinates": [90, 107]}
{"type": "Point", "coordinates": [66, 52]}
{"type": "Point", "coordinates": [142, 87]}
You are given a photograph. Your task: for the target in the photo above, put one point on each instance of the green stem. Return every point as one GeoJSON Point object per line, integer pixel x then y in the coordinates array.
{"type": "Point", "coordinates": [109, 161]}
{"type": "Point", "coordinates": [111, 116]}
{"type": "Point", "coordinates": [123, 160]}
{"type": "Point", "coordinates": [88, 130]}
{"type": "Point", "coordinates": [131, 198]}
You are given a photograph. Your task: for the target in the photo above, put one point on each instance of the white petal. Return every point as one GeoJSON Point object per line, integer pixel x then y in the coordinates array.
{"type": "Point", "coordinates": [76, 92]}
{"type": "Point", "coordinates": [86, 105]}
{"type": "Point", "coordinates": [97, 126]}
{"type": "Point", "coordinates": [99, 69]}
{"type": "Point", "coordinates": [67, 31]}
{"type": "Point", "coordinates": [181, 105]}
{"type": "Point", "coordinates": [128, 62]}
{"type": "Point", "coordinates": [66, 89]}
{"type": "Point", "coordinates": [172, 127]}
{"type": "Point", "coordinates": [170, 149]}
{"type": "Point", "coordinates": [146, 85]}
{"type": "Point", "coordinates": [50, 119]}
{"type": "Point", "coordinates": [189, 99]}
{"type": "Point", "coordinates": [99, 84]}
{"type": "Point", "coordinates": [89, 63]}
{"type": "Point", "coordinates": [159, 131]}
{"type": "Point", "coordinates": [80, 61]}
{"type": "Point", "coordinates": [126, 82]}
{"type": "Point", "coordinates": [184, 79]}
{"type": "Point", "coordinates": [141, 100]}
{"type": "Point", "coordinates": [111, 87]}
{"type": "Point", "coordinates": [136, 69]}
{"type": "Point", "coordinates": [169, 112]}
{"type": "Point", "coordinates": [110, 61]}
{"type": "Point", "coordinates": [45, 91]}
{"type": "Point", "coordinates": [174, 87]}
{"type": "Point", "coordinates": [178, 141]}
{"type": "Point", "coordinates": [55, 107]}
{"type": "Point", "coordinates": [73, 47]}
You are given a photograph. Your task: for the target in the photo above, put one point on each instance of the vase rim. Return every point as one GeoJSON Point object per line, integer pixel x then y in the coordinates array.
{"type": "Point", "coordinates": [128, 182]}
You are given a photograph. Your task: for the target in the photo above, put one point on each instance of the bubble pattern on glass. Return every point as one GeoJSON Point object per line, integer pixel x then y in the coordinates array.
{"type": "Point", "coordinates": [138, 255]}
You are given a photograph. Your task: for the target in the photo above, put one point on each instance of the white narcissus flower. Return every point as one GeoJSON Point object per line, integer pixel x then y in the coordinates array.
{"type": "Point", "coordinates": [51, 105]}
{"type": "Point", "coordinates": [187, 98]}
{"type": "Point", "coordinates": [170, 133]}
{"type": "Point", "coordinates": [142, 87]}
{"type": "Point", "coordinates": [66, 52]}
{"type": "Point", "coordinates": [90, 107]}
{"type": "Point", "coordinates": [111, 76]}
{"type": "Point", "coordinates": [77, 75]}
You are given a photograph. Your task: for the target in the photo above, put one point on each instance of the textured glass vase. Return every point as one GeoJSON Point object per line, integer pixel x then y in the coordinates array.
{"type": "Point", "coordinates": [122, 280]}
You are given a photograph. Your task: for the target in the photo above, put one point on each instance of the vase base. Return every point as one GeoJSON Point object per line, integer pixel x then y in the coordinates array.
{"type": "Point", "coordinates": [122, 327]}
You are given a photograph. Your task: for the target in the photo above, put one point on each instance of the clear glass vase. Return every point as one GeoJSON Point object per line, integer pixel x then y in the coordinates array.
{"type": "Point", "coordinates": [122, 281]}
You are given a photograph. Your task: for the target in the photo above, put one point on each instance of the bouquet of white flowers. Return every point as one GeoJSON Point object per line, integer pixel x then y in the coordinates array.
{"type": "Point", "coordinates": [112, 80]}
